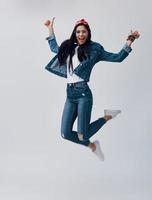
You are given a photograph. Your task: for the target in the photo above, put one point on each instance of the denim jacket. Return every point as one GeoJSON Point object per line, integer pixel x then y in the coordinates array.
{"type": "Point", "coordinates": [83, 70]}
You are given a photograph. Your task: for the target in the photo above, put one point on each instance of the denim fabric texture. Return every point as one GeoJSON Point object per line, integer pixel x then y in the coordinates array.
{"type": "Point", "coordinates": [78, 105]}
{"type": "Point", "coordinates": [79, 99]}
{"type": "Point", "coordinates": [83, 70]}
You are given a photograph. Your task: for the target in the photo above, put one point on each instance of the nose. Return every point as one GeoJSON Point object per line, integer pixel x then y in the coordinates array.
{"type": "Point", "coordinates": [80, 33]}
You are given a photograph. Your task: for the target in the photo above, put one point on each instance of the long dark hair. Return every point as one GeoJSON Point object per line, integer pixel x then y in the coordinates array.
{"type": "Point", "coordinates": [67, 48]}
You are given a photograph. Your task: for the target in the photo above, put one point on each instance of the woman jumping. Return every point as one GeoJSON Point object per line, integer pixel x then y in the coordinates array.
{"type": "Point", "coordinates": [74, 60]}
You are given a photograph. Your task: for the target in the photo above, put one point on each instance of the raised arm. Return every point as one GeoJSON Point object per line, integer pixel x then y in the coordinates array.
{"type": "Point", "coordinates": [114, 57]}
{"type": "Point", "coordinates": [51, 38]}
{"type": "Point", "coordinates": [122, 54]}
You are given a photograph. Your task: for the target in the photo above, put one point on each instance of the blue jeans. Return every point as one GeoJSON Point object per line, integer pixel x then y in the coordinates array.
{"type": "Point", "coordinates": [79, 103]}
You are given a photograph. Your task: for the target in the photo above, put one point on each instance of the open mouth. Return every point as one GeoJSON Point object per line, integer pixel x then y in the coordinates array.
{"type": "Point", "coordinates": [81, 39]}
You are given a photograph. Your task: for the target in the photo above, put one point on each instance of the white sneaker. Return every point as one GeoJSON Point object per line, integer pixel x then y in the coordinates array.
{"type": "Point", "coordinates": [113, 113]}
{"type": "Point", "coordinates": [98, 152]}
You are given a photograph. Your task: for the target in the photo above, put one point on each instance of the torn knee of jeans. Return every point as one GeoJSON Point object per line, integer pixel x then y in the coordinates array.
{"type": "Point", "coordinates": [80, 136]}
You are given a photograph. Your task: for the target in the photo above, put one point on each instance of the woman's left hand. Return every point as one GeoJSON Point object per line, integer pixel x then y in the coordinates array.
{"type": "Point", "coordinates": [135, 34]}
{"type": "Point", "coordinates": [132, 36]}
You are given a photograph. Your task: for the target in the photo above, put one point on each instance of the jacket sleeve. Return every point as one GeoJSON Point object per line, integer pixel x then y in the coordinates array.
{"type": "Point", "coordinates": [114, 57]}
{"type": "Point", "coordinates": [53, 43]}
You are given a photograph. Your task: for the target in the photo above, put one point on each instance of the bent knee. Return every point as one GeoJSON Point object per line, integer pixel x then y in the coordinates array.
{"type": "Point", "coordinates": [82, 137]}
{"type": "Point", "coordinates": [64, 135]}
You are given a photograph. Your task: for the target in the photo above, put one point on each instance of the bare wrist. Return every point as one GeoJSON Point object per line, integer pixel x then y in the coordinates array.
{"type": "Point", "coordinates": [129, 42]}
{"type": "Point", "coordinates": [51, 31]}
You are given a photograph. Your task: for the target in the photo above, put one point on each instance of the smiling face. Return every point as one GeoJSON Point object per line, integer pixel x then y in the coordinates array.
{"type": "Point", "coordinates": [81, 34]}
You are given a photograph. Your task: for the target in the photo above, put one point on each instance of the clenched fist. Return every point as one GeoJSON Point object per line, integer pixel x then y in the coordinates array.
{"type": "Point", "coordinates": [49, 24]}
{"type": "Point", "coordinates": [133, 35]}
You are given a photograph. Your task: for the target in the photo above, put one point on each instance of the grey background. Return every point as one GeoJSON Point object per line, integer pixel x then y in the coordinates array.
{"type": "Point", "coordinates": [35, 162]}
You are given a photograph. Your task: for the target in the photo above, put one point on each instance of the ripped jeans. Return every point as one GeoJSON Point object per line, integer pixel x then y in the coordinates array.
{"type": "Point", "coordinates": [79, 103]}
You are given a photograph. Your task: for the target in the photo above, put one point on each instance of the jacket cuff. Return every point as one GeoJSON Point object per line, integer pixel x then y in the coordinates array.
{"type": "Point", "coordinates": [127, 48]}
{"type": "Point", "coordinates": [51, 37]}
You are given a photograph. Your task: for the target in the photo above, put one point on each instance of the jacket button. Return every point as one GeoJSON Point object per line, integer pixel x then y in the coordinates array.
{"type": "Point", "coordinates": [83, 94]}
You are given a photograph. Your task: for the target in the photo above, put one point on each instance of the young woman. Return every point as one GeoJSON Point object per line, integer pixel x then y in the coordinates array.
{"type": "Point", "coordinates": [74, 60]}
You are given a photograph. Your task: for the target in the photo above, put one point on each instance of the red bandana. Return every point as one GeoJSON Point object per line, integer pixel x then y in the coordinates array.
{"type": "Point", "coordinates": [82, 21]}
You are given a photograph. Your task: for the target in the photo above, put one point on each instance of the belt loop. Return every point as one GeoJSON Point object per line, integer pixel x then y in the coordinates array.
{"type": "Point", "coordinates": [75, 83]}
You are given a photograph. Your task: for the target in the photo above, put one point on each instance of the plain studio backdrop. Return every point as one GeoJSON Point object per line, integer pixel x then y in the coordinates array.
{"type": "Point", "coordinates": [36, 163]}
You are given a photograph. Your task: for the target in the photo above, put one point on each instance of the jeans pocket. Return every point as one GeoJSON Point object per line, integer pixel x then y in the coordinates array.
{"type": "Point", "coordinates": [80, 88]}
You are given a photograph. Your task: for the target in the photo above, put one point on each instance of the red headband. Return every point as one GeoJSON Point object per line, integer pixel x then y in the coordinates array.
{"type": "Point", "coordinates": [82, 21]}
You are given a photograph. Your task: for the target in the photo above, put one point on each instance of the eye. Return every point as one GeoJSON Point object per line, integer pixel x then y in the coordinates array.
{"type": "Point", "coordinates": [77, 32]}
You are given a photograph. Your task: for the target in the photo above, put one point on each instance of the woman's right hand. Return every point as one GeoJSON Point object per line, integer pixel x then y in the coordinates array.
{"type": "Point", "coordinates": [49, 24]}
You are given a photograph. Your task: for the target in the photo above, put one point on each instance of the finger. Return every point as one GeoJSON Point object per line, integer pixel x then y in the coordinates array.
{"type": "Point", "coordinates": [47, 22]}
{"type": "Point", "coordinates": [138, 35]}
{"type": "Point", "coordinates": [53, 20]}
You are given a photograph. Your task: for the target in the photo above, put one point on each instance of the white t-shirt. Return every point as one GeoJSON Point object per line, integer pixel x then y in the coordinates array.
{"type": "Point", "coordinates": [72, 78]}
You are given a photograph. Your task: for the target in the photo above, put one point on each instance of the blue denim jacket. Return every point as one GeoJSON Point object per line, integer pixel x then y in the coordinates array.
{"type": "Point", "coordinates": [83, 70]}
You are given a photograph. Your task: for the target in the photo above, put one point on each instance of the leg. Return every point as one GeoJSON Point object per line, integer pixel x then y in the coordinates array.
{"type": "Point", "coordinates": [86, 129]}
{"type": "Point", "coordinates": [68, 118]}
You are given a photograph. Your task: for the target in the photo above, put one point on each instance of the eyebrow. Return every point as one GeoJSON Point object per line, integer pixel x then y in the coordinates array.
{"type": "Point", "coordinates": [81, 30]}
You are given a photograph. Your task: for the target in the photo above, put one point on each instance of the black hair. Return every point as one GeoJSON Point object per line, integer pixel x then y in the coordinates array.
{"type": "Point", "coordinates": [67, 48]}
